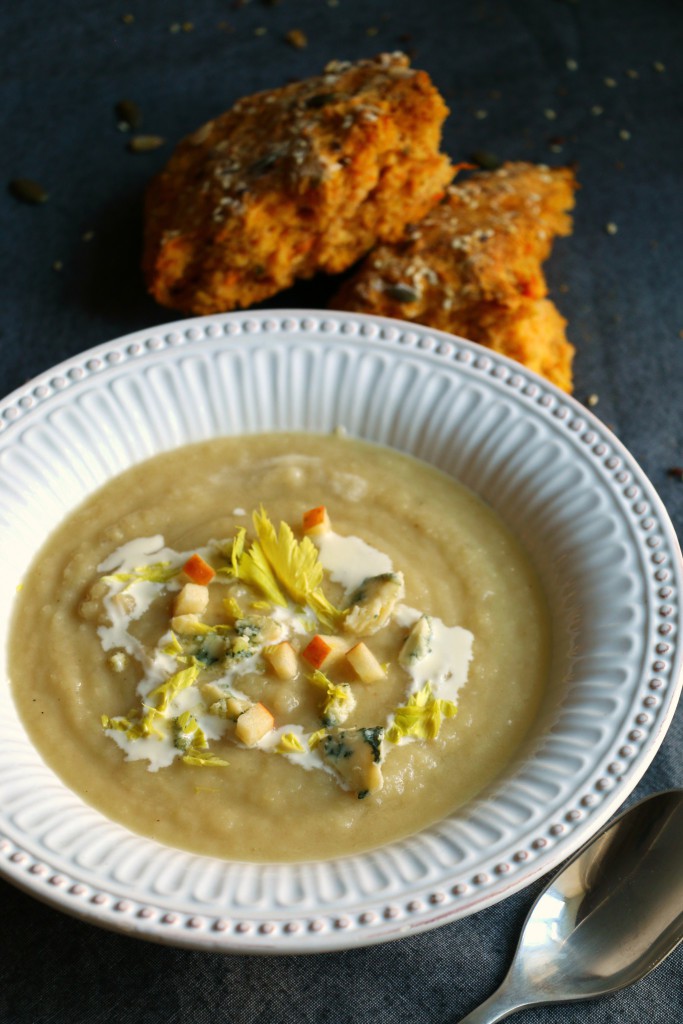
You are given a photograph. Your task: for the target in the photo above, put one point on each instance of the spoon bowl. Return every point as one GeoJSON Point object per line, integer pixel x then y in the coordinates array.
{"type": "Point", "coordinates": [609, 917]}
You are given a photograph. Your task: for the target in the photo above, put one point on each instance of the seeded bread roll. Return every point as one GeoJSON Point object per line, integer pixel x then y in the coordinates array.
{"type": "Point", "coordinates": [302, 179]}
{"type": "Point", "coordinates": [472, 267]}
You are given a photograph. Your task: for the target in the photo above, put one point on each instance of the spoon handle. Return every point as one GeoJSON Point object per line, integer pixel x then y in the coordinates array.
{"type": "Point", "coordinates": [498, 1006]}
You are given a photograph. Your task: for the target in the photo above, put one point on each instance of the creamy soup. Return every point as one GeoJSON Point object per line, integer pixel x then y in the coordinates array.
{"type": "Point", "coordinates": [279, 647]}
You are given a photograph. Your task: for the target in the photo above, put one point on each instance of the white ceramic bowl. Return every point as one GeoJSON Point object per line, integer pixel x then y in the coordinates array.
{"type": "Point", "coordinates": [587, 515]}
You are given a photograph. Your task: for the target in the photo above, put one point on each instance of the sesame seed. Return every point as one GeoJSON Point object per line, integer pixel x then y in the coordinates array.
{"type": "Point", "coordinates": [175, 27]}
{"type": "Point", "coordinates": [610, 83]}
{"type": "Point", "coordinates": [571, 64]}
{"type": "Point", "coordinates": [550, 114]}
{"type": "Point", "coordinates": [611, 228]}
{"type": "Point", "coordinates": [597, 111]}
{"type": "Point", "coordinates": [260, 31]}
{"type": "Point", "coordinates": [624, 134]}
{"type": "Point", "coordinates": [658, 66]}
{"type": "Point", "coordinates": [187, 26]}
{"type": "Point", "coordinates": [88, 236]}
{"type": "Point", "coordinates": [632, 73]}
{"type": "Point", "coordinates": [481, 114]}
{"type": "Point", "coordinates": [57, 265]}
{"type": "Point", "coordinates": [592, 400]}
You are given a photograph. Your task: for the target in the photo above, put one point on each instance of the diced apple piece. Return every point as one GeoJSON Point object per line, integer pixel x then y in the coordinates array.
{"type": "Point", "coordinates": [253, 725]}
{"type": "Point", "coordinates": [316, 521]}
{"type": "Point", "coordinates": [365, 664]}
{"type": "Point", "coordinates": [226, 707]}
{"type": "Point", "coordinates": [193, 599]}
{"type": "Point", "coordinates": [236, 706]}
{"type": "Point", "coordinates": [211, 692]}
{"type": "Point", "coordinates": [282, 659]}
{"type": "Point", "coordinates": [186, 625]}
{"type": "Point", "coordinates": [317, 651]}
{"type": "Point", "coordinates": [324, 651]}
{"type": "Point", "coordinates": [197, 570]}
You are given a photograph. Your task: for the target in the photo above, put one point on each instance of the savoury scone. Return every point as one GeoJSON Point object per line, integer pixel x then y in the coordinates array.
{"type": "Point", "coordinates": [473, 267]}
{"type": "Point", "coordinates": [301, 179]}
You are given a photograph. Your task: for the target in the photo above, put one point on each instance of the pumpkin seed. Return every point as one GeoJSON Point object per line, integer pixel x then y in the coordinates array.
{"type": "Point", "coordinates": [321, 99]}
{"type": "Point", "coordinates": [486, 160]}
{"type": "Point", "coordinates": [263, 164]}
{"type": "Point", "coordinates": [145, 143]}
{"type": "Point", "coordinates": [296, 38]}
{"type": "Point", "coordinates": [28, 191]}
{"type": "Point", "coordinates": [402, 293]}
{"type": "Point", "coordinates": [128, 115]}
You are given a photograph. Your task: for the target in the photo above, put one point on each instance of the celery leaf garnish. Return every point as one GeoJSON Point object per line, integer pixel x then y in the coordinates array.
{"type": "Point", "coordinates": [421, 717]}
{"type": "Point", "coordinates": [296, 566]}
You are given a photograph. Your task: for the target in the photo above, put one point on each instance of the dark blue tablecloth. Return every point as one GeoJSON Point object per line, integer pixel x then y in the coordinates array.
{"type": "Point", "coordinates": [599, 83]}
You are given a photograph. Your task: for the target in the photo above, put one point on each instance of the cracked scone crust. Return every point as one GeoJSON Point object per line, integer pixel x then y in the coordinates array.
{"type": "Point", "coordinates": [473, 267]}
{"type": "Point", "coordinates": [290, 182]}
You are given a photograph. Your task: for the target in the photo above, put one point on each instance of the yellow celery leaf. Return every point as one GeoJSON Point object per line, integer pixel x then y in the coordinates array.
{"type": "Point", "coordinates": [255, 570]}
{"type": "Point", "coordinates": [119, 723]}
{"type": "Point", "coordinates": [134, 727]}
{"type": "Point", "coordinates": [155, 572]}
{"type": "Point", "coordinates": [174, 684]}
{"type": "Point", "coordinates": [327, 614]}
{"type": "Point", "coordinates": [233, 607]}
{"type": "Point", "coordinates": [204, 759]}
{"type": "Point", "coordinates": [421, 717]}
{"type": "Point", "coordinates": [188, 733]}
{"type": "Point", "coordinates": [236, 551]}
{"type": "Point", "coordinates": [140, 728]}
{"type": "Point", "coordinates": [173, 647]}
{"type": "Point", "coordinates": [315, 738]}
{"type": "Point", "coordinates": [289, 744]}
{"type": "Point", "coordinates": [296, 565]}
{"type": "Point", "coordinates": [252, 567]}
{"type": "Point", "coordinates": [204, 629]}
{"type": "Point", "coordinates": [320, 680]}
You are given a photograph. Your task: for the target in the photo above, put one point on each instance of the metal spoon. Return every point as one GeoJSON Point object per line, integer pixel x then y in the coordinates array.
{"type": "Point", "coordinates": [613, 913]}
